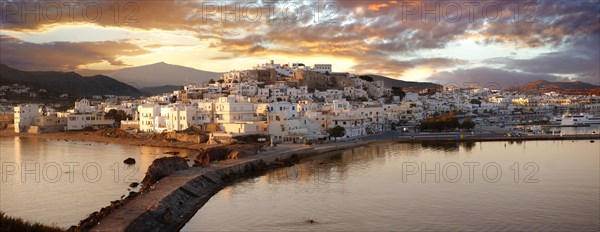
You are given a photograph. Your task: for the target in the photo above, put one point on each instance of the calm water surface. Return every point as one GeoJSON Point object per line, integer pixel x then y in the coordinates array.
{"type": "Point", "coordinates": [533, 186]}
{"type": "Point", "coordinates": [74, 179]}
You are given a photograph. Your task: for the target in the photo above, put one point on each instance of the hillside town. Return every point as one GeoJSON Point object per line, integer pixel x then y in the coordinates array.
{"type": "Point", "coordinates": [297, 103]}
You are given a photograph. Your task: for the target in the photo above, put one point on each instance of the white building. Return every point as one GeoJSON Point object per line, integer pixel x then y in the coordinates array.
{"type": "Point", "coordinates": [322, 68]}
{"type": "Point", "coordinates": [236, 115]}
{"type": "Point", "coordinates": [353, 123]}
{"type": "Point", "coordinates": [150, 118]}
{"type": "Point", "coordinates": [286, 125]}
{"type": "Point", "coordinates": [86, 116]}
{"type": "Point", "coordinates": [25, 116]}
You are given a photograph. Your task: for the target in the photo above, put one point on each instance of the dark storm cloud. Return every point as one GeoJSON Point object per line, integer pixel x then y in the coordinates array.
{"type": "Point", "coordinates": [484, 77]}
{"type": "Point", "coordinates": [580, 58]}
{"type": "Point", "coordinates": [63, 55]}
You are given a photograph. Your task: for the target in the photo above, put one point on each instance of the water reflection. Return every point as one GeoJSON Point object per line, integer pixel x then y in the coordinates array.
{"type": "Point", "coordinates": [448, 146]}
{"type": "Point", "coordinates": [333, 166]}
{"type": "Point", "coordinates": [61, 182]}
{"type": "Point", "coordinates": [363, 189]}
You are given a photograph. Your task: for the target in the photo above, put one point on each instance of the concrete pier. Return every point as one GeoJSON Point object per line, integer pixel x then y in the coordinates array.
{"type": "Point", "coordinates": [176, 198]}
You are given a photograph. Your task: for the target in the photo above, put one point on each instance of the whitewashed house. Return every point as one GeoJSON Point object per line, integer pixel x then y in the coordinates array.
{"type": "Point", "coordinates": [25, 116]}
{"type": "Point", "coordinates": [236, 115]}
{"type": "Point", "coordinates": [84, 115]}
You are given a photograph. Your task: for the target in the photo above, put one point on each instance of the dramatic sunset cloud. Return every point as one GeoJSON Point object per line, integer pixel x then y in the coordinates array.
{"type": "Point", "coordinates": [440, 41]}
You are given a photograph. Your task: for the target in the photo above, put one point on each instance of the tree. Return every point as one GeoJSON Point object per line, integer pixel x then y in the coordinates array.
{"type": "Point", "coordinates": [211, 81]}
{"type": "Point", "coordinates": [467, 124]}
{"type": "Point", "coordinates": [117, 115]}
{"type": "Point", "coordinates": [440, 123]}
{"type": "Point", "coordinates": [361, 99]}
{"type": "Point", "coordinates": [366, 78]}
{"type": "Point", "coordinates": [397, 91]}
{"type": "Point", "coordinates": [336, 132]}
{"type": "Point", "coordinates": [475, 102]}
{"type": "Point", "coordinates": [389, 99]}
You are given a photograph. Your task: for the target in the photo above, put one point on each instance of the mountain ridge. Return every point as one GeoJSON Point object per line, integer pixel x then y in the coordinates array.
{"type": "Point", "coordinates": [564, 87]}
{"type": "Point", "coordinates": [410, 86]}
{"type": "Point", "coordinates": [161, 74]}
{"type": "Point", "coordinates": [71, 83]}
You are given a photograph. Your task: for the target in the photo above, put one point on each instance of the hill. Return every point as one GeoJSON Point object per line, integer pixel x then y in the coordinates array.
{"type": "Point", "coordinates": [577, 87]}
{"type": "Point", "coordinates": [161, 74]}
{"type": "Point", "coordinates": [158, 90]}
{"type": "Point", "coordinates": [408, 86]}
{"type": "Point", "coordinates": [68, 82]}
{"type": "Point", "coordinates": [92, 72]}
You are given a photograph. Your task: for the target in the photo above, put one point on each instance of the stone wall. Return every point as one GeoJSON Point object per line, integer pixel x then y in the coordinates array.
{"type": "Point", "coordinates": [184, 137]}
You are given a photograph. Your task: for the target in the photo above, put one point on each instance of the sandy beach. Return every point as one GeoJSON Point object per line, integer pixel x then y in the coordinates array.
{"type": "Point", "coordinates": [92, 136]}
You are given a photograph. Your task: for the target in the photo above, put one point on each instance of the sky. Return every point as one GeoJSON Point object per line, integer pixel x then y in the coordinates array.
{"type": "Point", "coordinates": [464, 42]}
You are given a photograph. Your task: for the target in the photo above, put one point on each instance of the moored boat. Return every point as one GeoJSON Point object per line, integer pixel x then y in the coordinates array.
{"type": "Point", "coordinates": [579, 120]}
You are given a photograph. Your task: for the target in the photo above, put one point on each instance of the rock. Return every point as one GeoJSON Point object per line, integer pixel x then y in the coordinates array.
{"type": "Point", "coordinates": [206, 156]}
{"type": "Point", "coordinates": [233, 154]}
{"type": "Point", "coordinates": [94, 218]}
{"type": "Point", "coordinates": [161, 168]}
{"type": "Point", "coordinates": [129, 161]}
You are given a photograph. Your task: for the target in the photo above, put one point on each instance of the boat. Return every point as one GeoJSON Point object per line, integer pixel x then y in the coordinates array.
{"type": "Point", "coordinates": [579, 120]}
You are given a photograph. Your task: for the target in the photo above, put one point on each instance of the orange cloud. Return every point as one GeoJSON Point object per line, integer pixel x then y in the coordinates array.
{"type": "Point", "coordinates": [376, 37]}
{"type": "Point", "coordinates": [376, 7]}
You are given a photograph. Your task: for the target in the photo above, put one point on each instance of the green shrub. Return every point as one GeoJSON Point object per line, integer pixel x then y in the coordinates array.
{"type": "Point", "coordinates": [8, 223]}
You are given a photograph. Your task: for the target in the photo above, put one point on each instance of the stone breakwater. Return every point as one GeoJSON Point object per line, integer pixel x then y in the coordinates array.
{"type": "Point", "coordinates": [173, 200]}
